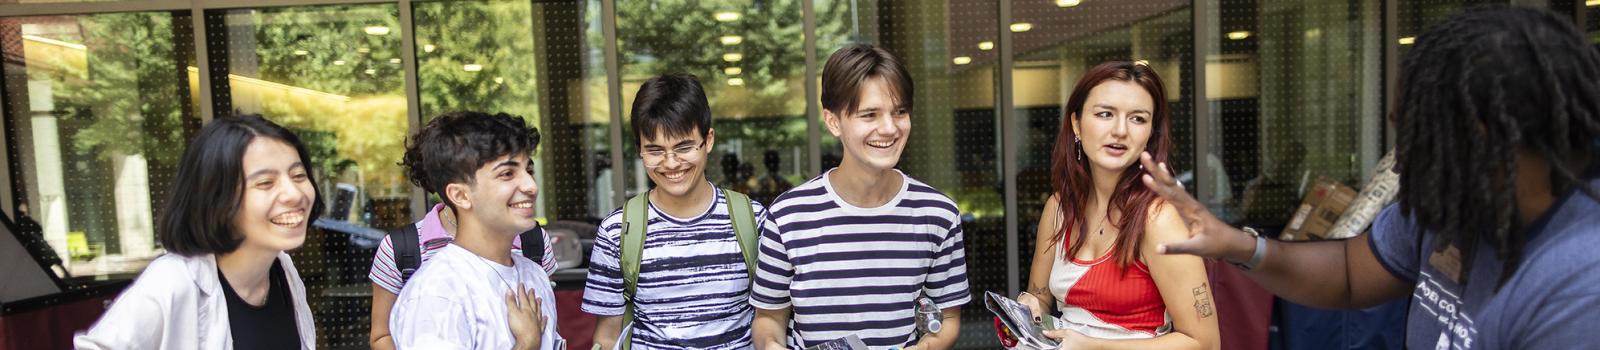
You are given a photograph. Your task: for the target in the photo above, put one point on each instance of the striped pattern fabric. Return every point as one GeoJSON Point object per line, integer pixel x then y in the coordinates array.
{"type": "Point", "coordinates": [846, 270]}
{"type": "Point", "coordinates": [693, 284]}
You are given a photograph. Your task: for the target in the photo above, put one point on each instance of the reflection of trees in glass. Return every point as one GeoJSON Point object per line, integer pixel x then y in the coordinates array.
{"type": "Point", "coordinates": [685, 36]}
{"type": "Point", "coordinates": [476, 56]}
{"type": "Point", "coordinates": [119, 105]}
{"type": "Point", "coordinates": [327, 48]}
{"type": "Point", "coordinates": [341, 85]}
{"type": "Point", "coordinates": [128, 88]}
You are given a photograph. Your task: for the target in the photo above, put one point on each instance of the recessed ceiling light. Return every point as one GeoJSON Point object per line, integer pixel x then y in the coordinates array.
{"type": "Point", "coordinates": [986, 46]}
{"type": "Point", "coordinates": [962, 60]}
{"type": "Point", "coordinates": [1068, 3]}
{"type": "Point", "coordinates": [338, 62]}
{"type": "Point", "coordinates": [736, 81]}
{"type": "Point", "coordinates": [1408, 40]}
{"type": "Point", "coordinates": [726, 16]}
{"type": "Point", "coordinates": [472, 67]}
{"type": "Point", "coordinates": [1239, 35]}
{"type": "Point", "coordinates": [1021, 27]}
{"type": "Point", "coordinates": [377, 30]}
{"type": "Point", "coordinates": [733, 71]}
{"type": "Point", "coordinates": [732, 40]}
{"type": "Point", "coordinates": [732, 57]}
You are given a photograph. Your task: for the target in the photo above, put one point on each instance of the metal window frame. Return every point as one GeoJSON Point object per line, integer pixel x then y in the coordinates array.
{"type": "Point", "coordinates": [808, 13]}
{"type": "Point", "coordinates": [1004, 107]}
{"type": "Point", "coordinates": [608, 26]}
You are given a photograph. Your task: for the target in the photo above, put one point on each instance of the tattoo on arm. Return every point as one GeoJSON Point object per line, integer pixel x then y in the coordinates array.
{"type": "Point", "coordinates": [1202, 301]}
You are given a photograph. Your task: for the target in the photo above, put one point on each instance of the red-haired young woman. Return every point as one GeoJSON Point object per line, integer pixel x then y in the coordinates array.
{"type": "Point", "coordinates": [1096, 258]}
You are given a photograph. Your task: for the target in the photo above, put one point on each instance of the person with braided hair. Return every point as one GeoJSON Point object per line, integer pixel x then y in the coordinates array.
{"type": "Point", "coordinates": [1498, 215]}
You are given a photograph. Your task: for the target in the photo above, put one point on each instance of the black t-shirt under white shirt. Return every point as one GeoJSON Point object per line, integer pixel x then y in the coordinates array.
{"type": "Point", "coordinates": [269, 326]}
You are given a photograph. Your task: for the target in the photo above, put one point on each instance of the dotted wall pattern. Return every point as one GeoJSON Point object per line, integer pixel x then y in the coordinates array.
{"type": "Point", "coordinates": [750, 60]}
{"type": "Point", "coordinates": [97, 113]}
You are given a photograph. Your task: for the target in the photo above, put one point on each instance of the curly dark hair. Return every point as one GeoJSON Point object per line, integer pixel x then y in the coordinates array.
{"type": "Point", "coordinates": [452, 146]}
{"type": "Point", "coordinates": [1475, 90]}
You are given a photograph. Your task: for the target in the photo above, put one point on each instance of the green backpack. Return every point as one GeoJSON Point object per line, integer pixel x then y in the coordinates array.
{"type": "Point", "coordinates": [633, 231]}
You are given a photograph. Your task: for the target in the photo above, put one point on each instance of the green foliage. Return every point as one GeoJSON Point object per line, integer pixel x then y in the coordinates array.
{"type": "Point", "coordinates": [128, 88]}
{"type": "Point", "coordinates": [494, 35]}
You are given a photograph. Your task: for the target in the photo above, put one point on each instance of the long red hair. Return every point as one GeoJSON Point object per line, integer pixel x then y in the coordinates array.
{"type": "Point", "coordinates": [1070, 178]}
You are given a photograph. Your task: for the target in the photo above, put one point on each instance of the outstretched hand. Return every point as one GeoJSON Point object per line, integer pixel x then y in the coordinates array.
{"type": "Point", "coordinates": [1209, 237]}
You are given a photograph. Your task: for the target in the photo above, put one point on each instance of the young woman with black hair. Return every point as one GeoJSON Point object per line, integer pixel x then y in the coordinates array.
{"type": "Point", "coordinates": [243, 196]}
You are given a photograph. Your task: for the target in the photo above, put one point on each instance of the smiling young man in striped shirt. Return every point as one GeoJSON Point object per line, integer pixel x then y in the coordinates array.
{"type": "Point", "coordinates": [849, 252]}
{"type": "Point", "coordinates": [680, 242]}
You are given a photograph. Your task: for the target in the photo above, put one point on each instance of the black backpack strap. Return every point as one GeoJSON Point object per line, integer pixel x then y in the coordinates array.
{"type": "Point", "coordinates": [533, 244]}
{"type": "Point", "coordinates": [407, 251]}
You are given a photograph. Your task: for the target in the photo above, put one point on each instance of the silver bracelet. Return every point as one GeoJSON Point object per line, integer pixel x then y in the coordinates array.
{"type": "Point", "coordinates": [1259, 254]}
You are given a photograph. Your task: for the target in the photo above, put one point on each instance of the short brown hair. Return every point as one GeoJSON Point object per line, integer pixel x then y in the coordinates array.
{"type": "Point", "coordinates": [854, 63]}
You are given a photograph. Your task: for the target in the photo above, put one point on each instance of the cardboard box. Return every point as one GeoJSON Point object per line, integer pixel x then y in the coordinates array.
{"type": "Point", "coordinates": [1317, 213]}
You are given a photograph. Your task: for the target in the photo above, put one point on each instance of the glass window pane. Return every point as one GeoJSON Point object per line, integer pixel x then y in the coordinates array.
{"type": "Point", "coordinates": [1591, 20]}
{"type": "Point", "coordinates": [954, 144]}
{"type": "Point", "coordinates": [98, 108]}
{"type": "Point", "coordinates": [330, 74]}
{"type": "Point", "coordinates": [749, 58]}
{"type": "Point", "coordinates": [1300, 97]}
{"type": "Point", "coordinates": [538, 61]}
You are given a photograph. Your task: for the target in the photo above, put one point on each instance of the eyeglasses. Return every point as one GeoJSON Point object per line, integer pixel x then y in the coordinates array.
{"type": "Point", "coordinates": [654, 158]}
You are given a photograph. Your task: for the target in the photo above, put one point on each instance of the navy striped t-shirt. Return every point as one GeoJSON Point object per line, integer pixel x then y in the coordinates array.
{"type": "Point", "coordinates": [846, 270]}
{"type": "Point", "coordinates": [693, 283]}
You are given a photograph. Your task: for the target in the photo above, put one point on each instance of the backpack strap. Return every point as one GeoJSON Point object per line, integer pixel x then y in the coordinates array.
{"type": "Point", "coordinates": [635, 221]}
{"type": "Point", "coordinates": [744, 227]}
{"type": "Point", "coordinates": [407, 251]}
{"type": "Point", "coordinates": [533, 244]}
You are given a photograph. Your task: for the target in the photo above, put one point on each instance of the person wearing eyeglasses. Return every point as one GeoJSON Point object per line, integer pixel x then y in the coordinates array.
{"type": "Point", "coordinates": [683, 279]}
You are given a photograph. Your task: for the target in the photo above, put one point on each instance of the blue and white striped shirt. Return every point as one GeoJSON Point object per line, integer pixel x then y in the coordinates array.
{"type": "Point", "coordinates": [693, 285]}
{"type": "Point", "coordinates": [848, 270]}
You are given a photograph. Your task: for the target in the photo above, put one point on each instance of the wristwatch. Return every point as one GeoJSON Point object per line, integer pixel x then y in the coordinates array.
{"type": "Point", "coordinates": [1259, 254]}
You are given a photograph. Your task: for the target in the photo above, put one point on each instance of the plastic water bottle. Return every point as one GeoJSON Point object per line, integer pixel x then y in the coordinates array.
{"type": "Point", "coordinates": [928, 316]}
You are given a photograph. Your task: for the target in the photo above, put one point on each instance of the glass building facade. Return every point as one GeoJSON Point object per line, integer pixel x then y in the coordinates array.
{"type": "Point", "coordinates": [100, 97]}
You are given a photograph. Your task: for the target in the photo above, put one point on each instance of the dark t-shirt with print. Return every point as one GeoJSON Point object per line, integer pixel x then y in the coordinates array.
{"type": "Point", "coordinates": [1551, 302]}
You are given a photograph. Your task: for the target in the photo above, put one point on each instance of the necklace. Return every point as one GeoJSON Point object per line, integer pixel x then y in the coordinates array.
{"type": "Point", "coordinates": [450, 222]}
{"type": "Point", "coordinates": [514, 270]}
{"type": "Point", "coordinates": [1106, 221]}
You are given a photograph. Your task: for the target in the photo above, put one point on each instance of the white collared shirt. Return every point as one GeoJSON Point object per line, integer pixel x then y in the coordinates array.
{"type": "Point", "coordinates": [178, 303]}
